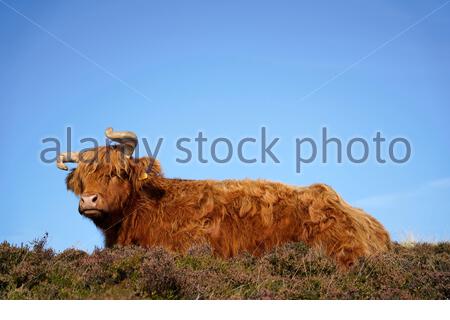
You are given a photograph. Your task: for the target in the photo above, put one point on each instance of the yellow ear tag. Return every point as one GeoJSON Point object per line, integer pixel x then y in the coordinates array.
{"type": "Point", "coordinates": [143, 176]}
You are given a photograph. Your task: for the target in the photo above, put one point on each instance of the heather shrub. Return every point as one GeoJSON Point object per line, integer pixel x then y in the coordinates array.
{"type": "Point", "coordinates": [293, 271]}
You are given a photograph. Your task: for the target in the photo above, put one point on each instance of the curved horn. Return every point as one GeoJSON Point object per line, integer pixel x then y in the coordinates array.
{"type": "Point", "coordinates": [66, 157]}
{"type": "Point", "coordinates": [126, 138]}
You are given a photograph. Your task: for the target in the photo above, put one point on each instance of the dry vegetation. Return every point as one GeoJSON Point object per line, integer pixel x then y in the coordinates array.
{"type": "Point", "coordinates": [421, 271]}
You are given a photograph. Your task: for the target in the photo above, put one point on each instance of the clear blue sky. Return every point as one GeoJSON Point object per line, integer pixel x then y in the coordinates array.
{"type": "Point", "coordinates": [172, 68]}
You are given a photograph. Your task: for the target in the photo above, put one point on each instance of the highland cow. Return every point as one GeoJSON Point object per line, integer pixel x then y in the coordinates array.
{"type": "Point", "coordinates": [132, 202]}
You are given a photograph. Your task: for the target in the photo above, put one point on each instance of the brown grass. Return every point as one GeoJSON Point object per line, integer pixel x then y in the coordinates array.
{"type": "Point", "coordinates": [293, 271]}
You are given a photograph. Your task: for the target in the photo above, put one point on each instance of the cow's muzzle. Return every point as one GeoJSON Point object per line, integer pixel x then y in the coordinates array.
{"type": "Point", "coordinates": [88, 205]}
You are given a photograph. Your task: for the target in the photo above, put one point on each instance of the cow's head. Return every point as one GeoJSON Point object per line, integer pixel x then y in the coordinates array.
{"type": "Point", "coordinates": [108, 178]}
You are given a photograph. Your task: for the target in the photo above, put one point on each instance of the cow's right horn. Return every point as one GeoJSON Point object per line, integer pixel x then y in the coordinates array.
{"type": "Point", "coordinates": [126, 138]}
{"type": "Point", "coordinates": [66, 157]}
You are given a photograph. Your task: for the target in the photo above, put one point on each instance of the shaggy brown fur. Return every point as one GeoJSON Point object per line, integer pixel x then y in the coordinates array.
{"type": "Point", "coordinates": [138, 205]}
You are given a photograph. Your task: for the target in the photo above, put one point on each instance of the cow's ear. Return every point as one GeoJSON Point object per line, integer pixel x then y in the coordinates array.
{"type": "Point", "coordinates": [145, 171]}
{"type": "Point", "coordinates": [73, 183]}
{"type": "Point", "coordinates": [153, 167]}
{"type": "Point", "coordinates": [147, 168]}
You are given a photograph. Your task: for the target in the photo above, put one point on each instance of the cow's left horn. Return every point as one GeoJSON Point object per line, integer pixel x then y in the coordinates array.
{"type": "Point", "coordinates": [66, 157]}
{"type": "Point", "coordinates": [126, 138]}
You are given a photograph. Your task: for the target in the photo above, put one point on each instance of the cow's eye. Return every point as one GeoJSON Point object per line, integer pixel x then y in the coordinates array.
{"type": "Point", "coordinates": [120, 177]}
{"type": "Point", "coordinates": [123, 175]}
